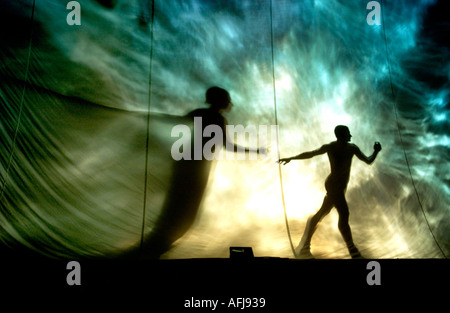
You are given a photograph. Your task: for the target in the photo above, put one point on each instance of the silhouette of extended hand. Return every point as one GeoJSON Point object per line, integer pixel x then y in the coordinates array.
{"type": "Point", "coordinates": [263, 151]}
{"type": "Point", "coordinates": [284, 161]}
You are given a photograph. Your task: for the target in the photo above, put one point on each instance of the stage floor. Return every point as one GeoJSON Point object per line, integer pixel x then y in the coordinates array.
{"type": "Point", "coordinates": [196, 285]}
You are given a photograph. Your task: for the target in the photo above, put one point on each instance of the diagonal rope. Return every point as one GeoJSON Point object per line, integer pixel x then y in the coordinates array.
{"type": "Point", "coordinates": [394, 97]}
{"type": "Point", "coordinates": [277, 137]}
{"type": "Point", "coordinates": [148, 127]}
{"type": "Point", "coordinates": [22, 99]}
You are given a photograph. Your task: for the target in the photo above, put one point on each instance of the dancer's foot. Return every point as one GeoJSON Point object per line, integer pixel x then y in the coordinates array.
{"type": "Point", "coordinates": [355, 254]}
{"type": "Point", "coordinates": [304, 254]}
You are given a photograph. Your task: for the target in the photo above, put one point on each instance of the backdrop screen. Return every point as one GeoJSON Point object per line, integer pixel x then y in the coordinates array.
{"type": "Point", "coordinates": [95, 126]}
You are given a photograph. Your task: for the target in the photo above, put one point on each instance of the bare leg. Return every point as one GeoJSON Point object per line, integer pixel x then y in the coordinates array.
{"type": "Point", "coordinates": [303, 249]}
{"type": "Point", "coordinates": [344, 227]}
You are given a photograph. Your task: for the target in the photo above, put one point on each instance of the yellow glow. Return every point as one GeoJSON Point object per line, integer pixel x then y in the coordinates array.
{"type": "Point", "coordinates": [284, 82]}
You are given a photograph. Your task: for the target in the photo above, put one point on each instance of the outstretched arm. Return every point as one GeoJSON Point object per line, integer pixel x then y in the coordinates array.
{"type": "Point", "coordinates": [368, 159]}
{"type": "Point", "coordinates": [305, 155]}
{"type": "Point", "coordinates": [231, 146]}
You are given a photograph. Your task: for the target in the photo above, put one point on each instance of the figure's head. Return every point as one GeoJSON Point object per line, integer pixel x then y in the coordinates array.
{"type": "Point", "coordinates": [218, 98]}
{"type": "Point", "coordinates": [342, 133]}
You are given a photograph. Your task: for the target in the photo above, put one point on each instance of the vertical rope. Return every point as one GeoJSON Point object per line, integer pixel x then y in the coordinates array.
{"type": "Point", "coordinates": [148, 127]}
{"type": "Point", "coordinates": [22, 99]}
{"type": "Point", "coordinates": [277, 137]}
{"type": "Point", "coordinates": [394, 98]}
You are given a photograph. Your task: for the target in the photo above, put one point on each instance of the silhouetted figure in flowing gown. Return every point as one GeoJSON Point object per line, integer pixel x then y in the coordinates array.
{"type": "Point", "coordinates": [340, 154]}
{"type": "Point", "coordinates": [189, 179]}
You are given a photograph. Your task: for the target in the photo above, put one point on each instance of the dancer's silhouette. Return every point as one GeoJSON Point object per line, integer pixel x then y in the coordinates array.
{"type": "Point", "coordinates": [189, 178]}
{"type": "Point", "coordinates": [340, 153]}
